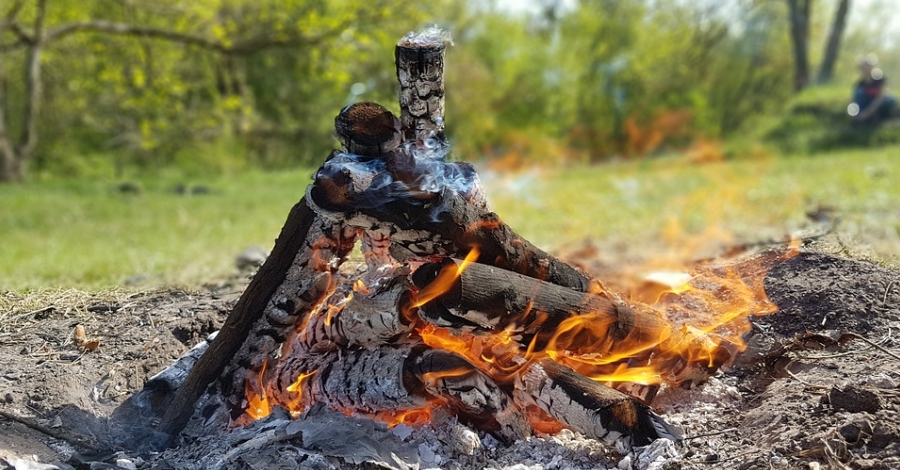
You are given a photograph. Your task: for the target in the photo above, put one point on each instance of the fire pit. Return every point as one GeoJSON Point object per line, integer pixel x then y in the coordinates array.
{"type": "Point", "coordinates": [451, 334]}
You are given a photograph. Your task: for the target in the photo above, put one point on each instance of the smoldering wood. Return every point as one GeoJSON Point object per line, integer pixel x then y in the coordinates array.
{"type": "Point", "coordinates": [159, 390]}
{"type": "Point", "coordinates": [495, 299]}
{"type": "Point", "coordinates": [472, 393]}
{"type": "Point", "coordinates": [367, 129]}
{"type": "Point", "coordinates": [589, 407]}
{"type": "Point", "coordinates": [237, 326]}
{"type": "Point", "coordinates": [366, 381]}
{"type": "Point", "coordinates": [322, 431]}
{"type": "Point", "coordinates": [358, 320]}
{"type": "Point", "coordinates": [419, 59]}
{"type": "Point", "coordinates": [428, 223]}
{"type": "Point", "coordinates": [309, 280]}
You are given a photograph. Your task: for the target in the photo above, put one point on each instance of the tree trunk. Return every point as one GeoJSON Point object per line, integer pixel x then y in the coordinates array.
{"type": "Point", "coordinates": [833, 45]}
{"type": "Point", "coordinates": [799, 16]}
{"type": "Point", "coordinates": [34, 87]}
{"type": "Point", "coordinates": [14, 158]}
{"type": "Point", "coordinates": [9, 170]}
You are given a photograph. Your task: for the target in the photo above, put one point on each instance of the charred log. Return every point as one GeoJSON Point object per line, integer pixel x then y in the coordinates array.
{"type": "Point", "coordinates": [494, 299]}
{"type": "Point", "coordinates": [308, 282]}
{"type": "Point", "coordinates": [360, 320]}
{"type": "Point", "coordinates": [590, 407]}
{"type": "Point", "coordinates": [245, 313]}
{"type": "Point", "coordinates": [367, 129]}
{"type": "Point", "coordinates": [395, 379]}
{"type": "Point", "coordinates": [472, 394]}
{"type": "Point", "coordinates": [420, 71]}
{"type": "Point", "coordinates": [439, 211]}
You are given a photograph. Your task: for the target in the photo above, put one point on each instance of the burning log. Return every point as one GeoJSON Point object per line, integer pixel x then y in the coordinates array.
{"type": "Point", "coordinates": [494, 299]}
{"type": "Point", "coordinates": [394, 380]}
{"type": "Point", "coordinates": [472, 393]}
{"type": "Point", "coordinates": [237, 326]}
{"type": "Point", "coordinates": [589, 407]}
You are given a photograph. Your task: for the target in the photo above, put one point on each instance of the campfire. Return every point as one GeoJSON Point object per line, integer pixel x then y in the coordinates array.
{"type": "Point", "coordinates": [445, 309]}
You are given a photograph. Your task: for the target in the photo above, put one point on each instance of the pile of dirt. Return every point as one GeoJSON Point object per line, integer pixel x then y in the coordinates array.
{"type": "Point", "coordinates": [817, 387]}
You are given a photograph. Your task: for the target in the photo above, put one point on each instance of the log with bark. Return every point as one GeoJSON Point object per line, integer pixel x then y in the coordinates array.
{"type": "Point", "coordinates": [312, 328]}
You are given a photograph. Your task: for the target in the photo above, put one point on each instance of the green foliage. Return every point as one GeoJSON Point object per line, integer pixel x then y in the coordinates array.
{"type": "Point", "coordinates": [587, 80]}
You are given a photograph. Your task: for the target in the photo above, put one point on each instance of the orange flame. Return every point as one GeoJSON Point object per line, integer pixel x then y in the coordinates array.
{"type": "Point", "coordinates": [360, 287]}
{"type": "Point", "coordinates": [446, 278]}
{"type": "Point", "coordinates": [695, 320]}
{"type": "Point", "coordinates": [296, 404]}
{"type": "Point", "coordinates": [410, 417]}
{"type": "Point", "coordinates": [257, 402]}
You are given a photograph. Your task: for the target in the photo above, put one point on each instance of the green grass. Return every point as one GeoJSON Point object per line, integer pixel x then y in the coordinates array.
{"type": "Point", "coordinates": [689, 210]}
{"type": "Point", "coordinates": [86, 234]}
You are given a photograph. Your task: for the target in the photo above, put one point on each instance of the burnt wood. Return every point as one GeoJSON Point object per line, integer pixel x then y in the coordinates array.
{"type": "Point", "coordinates": [419, 59]}
{"type": "Point", "coordinates": [245, 313]}
{"type": "Point", "coordinates": [367, 129]}
{"type": "Point", "coordinates": [473, 394]}
{"type": "Point", "coordinates": [448, 222]}
{"type": "Point", "coordinates": [589, 407]}
{"type": "Point", "coordinates": [490, 298]}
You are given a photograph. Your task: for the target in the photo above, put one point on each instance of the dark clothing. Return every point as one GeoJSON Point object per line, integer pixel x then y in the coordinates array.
{"type": "Point", "coordinates": [865, 92]}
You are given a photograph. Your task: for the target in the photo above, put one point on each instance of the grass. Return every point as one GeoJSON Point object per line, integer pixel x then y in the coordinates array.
{"type": "Point", "coordinates": [89, 235]}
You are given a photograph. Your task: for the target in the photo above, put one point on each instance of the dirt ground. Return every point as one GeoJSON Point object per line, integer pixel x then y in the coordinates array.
{"type": "Point", "coordinates": [818, 387]}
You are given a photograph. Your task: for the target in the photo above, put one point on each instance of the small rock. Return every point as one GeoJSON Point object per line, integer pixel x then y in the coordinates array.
{"type": "Point", "coordinates": [250, 258]}
{"type": "Point", "coordinates": [8, 398]}
{"type": "Point", "coordinates": [881, 381]}
{"type": "Point", "coordinates": [815, 466]}
{"type": "Point", "coordinates": [854, 399]}
{"type": "Point", "coordinates": [126, 464]}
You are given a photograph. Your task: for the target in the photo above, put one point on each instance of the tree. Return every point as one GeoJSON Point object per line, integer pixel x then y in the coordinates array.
{"type": "Point", "coordinates": [799, 14]}
{"type": "Point", "coordinates": [833, 43]}
{"type": "Point", "coordinates": [229, 30]}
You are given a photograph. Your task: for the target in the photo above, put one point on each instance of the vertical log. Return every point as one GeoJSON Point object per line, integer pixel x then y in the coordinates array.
{"type": "Point", "coordinates": [246, 312]}
{"type": "Point", "coordinates": [420, 71]}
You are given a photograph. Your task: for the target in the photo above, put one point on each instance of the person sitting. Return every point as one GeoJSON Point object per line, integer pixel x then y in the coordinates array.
{"type": "Point", "coordinates": [871, 101]}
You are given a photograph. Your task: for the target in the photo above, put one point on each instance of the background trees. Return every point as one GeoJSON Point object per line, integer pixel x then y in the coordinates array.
{"type": "Point", "coordinates": [116, 86]}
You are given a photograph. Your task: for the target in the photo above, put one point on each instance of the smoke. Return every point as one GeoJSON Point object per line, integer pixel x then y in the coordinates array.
{"type": "Point", "coordinates": [428, 37]}
{"type": "Point", "coordinates": [417, 173]}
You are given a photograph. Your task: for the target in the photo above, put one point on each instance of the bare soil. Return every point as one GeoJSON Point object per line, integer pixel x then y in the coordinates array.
{"type": "Point", "coordinates": [817, 387]}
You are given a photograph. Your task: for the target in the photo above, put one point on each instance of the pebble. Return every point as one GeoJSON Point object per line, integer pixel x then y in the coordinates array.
{"type": "Point", "coordinates": [881, 381]}
{"type": "Point", "coordinates": [126, 464]}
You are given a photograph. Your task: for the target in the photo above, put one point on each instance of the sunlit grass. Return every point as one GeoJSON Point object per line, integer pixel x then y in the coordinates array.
{"type": "Point", "coordinates": [87, 234]}
{"type": "Point", "coordinates": [695, 209]}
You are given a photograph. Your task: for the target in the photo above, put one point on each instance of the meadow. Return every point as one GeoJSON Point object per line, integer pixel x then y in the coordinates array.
{"type": "Point", "coordinates": [183, 232]}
